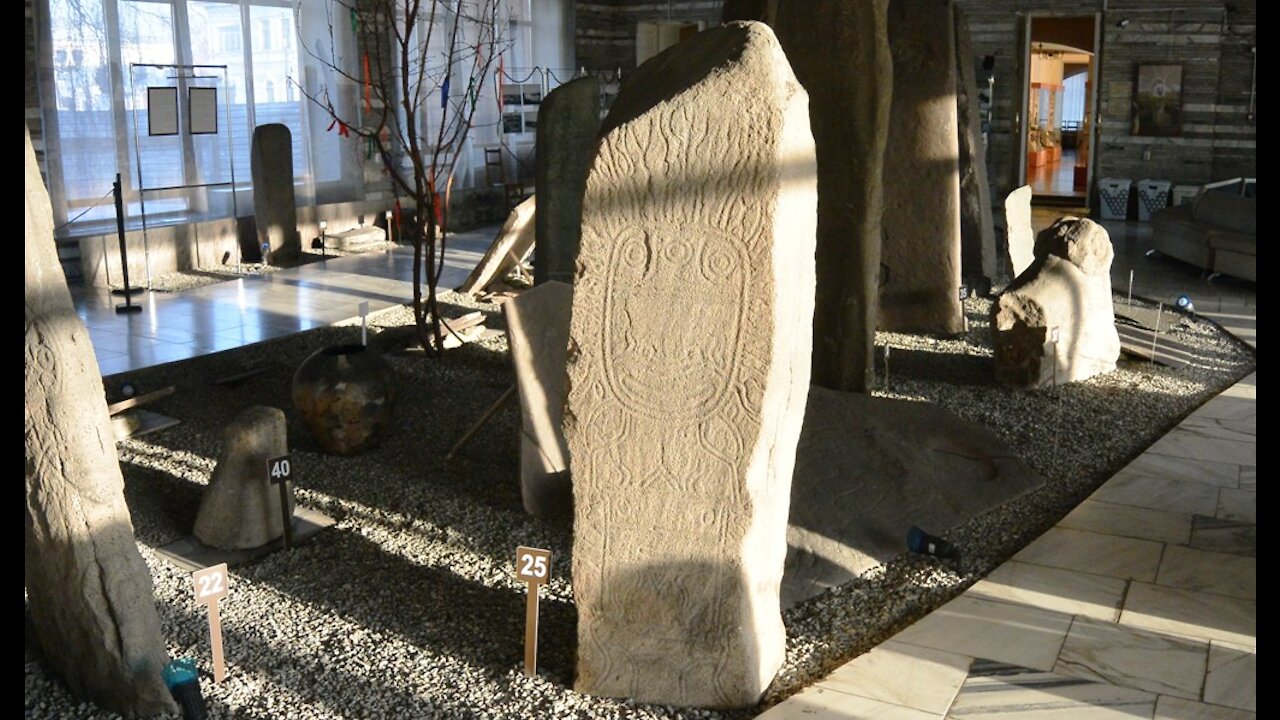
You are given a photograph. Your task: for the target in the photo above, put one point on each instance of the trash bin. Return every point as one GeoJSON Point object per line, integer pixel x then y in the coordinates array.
{"type": "Point", "coordinates": [1115, 198]}
{"type": "Point", "coordinates": [1153, 196]}
{"type": "Point", "coordinates": [1184, 194]}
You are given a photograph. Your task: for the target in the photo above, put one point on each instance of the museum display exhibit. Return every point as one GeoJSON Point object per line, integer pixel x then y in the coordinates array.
{"type": "Point", "coordinates": [684, 359]}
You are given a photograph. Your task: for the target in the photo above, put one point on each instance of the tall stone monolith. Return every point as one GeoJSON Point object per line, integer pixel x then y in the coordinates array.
{"type": "Point", "coordinates": [88, 590]}
{"type": "Point", "coordinates": [978, 266]}
{"type": "Point", "coordinates": [274, 208]}
{"type": "Point", "coordinates": [920, 290]}
{"type": "Point", "coordinates": [840, 53]}
{"type": "Point", "coordinates": [689, 351]}
{"type": "Point", "coordinates": [568, 120]}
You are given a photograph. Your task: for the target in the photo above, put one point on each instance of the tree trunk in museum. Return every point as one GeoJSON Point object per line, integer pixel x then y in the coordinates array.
{"type": "Point", "coordinates": [88, 589]}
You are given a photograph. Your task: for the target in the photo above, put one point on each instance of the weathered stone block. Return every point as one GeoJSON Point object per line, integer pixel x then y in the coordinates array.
{"type": "Point", "coordinates": [568, 121]}
{"type": "Point", "coordinates": [921, 251]}
{"type": "Point", "coordinates": [538, 331]}
{"type": "Point", "coordinates": [241, 508]}
{"type": "Point", "coordinates": [689, 357]}
{"type": "Point", "coordinates": [274, 208]}
{"type": "Point", "coordinates": [1067, 288]}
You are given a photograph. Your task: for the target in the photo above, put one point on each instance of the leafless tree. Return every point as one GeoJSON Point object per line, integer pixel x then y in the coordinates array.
{"type": "Point", "coordinates": [422, 68]}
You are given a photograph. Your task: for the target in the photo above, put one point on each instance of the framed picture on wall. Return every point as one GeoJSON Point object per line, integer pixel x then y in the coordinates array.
{"type": "Point", "coordinates": [1157, 101]}
{"type": "Point", "coordinates": [162, 111]}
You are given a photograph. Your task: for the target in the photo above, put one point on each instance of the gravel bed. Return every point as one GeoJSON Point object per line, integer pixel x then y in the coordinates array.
{"type": "Point", "coordinates": [408, 606]}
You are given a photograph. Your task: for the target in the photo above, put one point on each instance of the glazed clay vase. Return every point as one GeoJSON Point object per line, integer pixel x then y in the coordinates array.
{"type": "Point", "coordinates": [344, 394]}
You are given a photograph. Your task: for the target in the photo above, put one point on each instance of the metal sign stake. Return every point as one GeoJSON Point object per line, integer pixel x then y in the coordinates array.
{"type": "Point", "coordinates": [212, 584]}
{"type": "Point", "coordinates": [533, 566]}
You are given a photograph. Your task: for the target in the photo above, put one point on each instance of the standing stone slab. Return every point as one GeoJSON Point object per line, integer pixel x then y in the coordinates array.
{"type": "Point", "coordinates": [977, 228]}
{"type": "Point", "coordinates": [88, 590]}
{"type": "Point", "coordinates": [274, 210]}
{"type": "Point", "coordinates": [538, 332]}
{"type": "Point", "coordinates": [241, 508]}
{"type": "Point", "coordinates": [568, 121]}
{"type": "Point", "coordinates": [1020, 235]}
{"type": "Point", "coordinates": [688, 362]}
{"type": "Point", "coordinates": [509, 248]}
{"type": "Point", "coordinates": [921, 251]}
{"type": "Point", "coordinates": [1068, 286]}
{"type": "Point", "coordinates": [840, 53]}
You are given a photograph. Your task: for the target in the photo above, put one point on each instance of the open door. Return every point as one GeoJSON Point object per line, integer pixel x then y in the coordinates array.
{"type": "Point", "coordinates": [1018, 174]}
{"type": "Point", "coordinates": [1057, 126]}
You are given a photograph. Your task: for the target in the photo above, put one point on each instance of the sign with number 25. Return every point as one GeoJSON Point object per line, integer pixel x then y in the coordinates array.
{"type": "Point", "coordinates": [532, 564]}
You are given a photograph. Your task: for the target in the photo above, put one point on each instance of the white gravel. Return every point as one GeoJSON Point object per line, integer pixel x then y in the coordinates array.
{"type": "Point", "coordinates": [408, 607]}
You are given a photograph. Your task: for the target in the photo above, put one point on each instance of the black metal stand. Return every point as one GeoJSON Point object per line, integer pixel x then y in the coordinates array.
{"type": "Point", "coordinates": [128, 306]}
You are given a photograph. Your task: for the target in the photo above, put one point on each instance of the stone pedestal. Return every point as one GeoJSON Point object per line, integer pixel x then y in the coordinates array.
{"type": "Point", "coordinates": [688, 369]}
{"type": "Point", "coordinates": [920, 285]}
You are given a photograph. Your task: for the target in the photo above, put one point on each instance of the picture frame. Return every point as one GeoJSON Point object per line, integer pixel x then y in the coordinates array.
{"type": "Point", "coordinates": [202, 110]}
{"type": "Point", "coordinates": [162, 110]}
{"type": "Point", "coordinates": [1157, 101]}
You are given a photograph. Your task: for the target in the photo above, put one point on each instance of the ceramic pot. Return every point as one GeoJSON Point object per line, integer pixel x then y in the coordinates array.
{"type": "Point", "coordinates": [344, 394]}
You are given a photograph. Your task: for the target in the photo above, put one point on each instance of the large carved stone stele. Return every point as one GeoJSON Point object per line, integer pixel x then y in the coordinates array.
{"type": "Point", "coordinates": [568, 120]}
{"type": "Point", "coordinates": [840, 53]}
{"type": "Point", "coordinates": [921, 249]}
{"type": "Point", "coordinates": [88, 589]}
{"type": "Point", "coordinates": [688, 369]}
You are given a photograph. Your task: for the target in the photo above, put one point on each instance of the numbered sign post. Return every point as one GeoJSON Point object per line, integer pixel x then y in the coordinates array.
{"type": "Point", "coordinates": [211, 584]}
{"type": "Point", "coordinates": [886, 367]}
{"type": "Point", "coordinates": [533, 566]}
{"type": "Point", "coordinates": [278, 471]}
{"type": "Point", "coordinates": [364, 322]}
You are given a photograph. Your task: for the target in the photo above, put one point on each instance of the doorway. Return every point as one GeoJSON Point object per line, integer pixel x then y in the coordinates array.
{"type": "Point", "coordinates": [1059, 107]}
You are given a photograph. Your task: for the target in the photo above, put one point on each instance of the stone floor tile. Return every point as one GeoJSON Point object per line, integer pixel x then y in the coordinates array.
{"type": "Point", "coordinates": [1065, 591]}
{"type": "Point", "coordinates": [1211, 572]}
{"type": "Point", "coordinates": [1191, 614]}
{"type": "Point", "coordinates": [1240, 505]}
{"type": "Point", "coordinates": [817, 703]}
{"type": "Point", "coordinates": [968, 625]}
{"type": "Point", "coordinates": [1145, 660]}
{"type": "Point", "coordinates": [1189, 442]}
{"type": "Point", "coordinates": [1226, 536]}
{"type": "Point", "coordinates": [1159, 493]}
{"type": "Point", "coordinates": [1129, 521]}
{"type": "Point", "coordinates": [1110, 555]}
{"type": "Point", "coordinates": [1173, 708]}
{"type": "Point", "coordinates": [1233, 677]}
{"type": "Point", "coordinates": [902, 674]}
{"type": "Point", "coordinates": [996, 691]}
